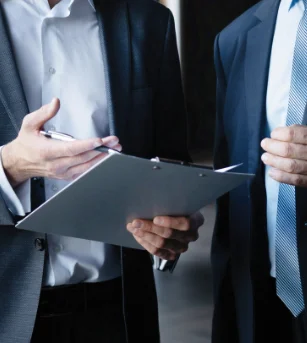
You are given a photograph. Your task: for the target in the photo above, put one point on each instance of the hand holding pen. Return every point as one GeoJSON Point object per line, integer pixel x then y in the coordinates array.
{"type": "Point", "coordinates": [64, 137]}
{"type": "Point", "coordinates": [33, 155]}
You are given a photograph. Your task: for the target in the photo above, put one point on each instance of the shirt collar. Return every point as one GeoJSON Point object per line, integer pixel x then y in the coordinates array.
{"type": "Point", "coordinates": [63, 8]}
{"type": "Point", "coordinates": [91, 2]}
{"type": "Point", "coordinates": [93, 5]}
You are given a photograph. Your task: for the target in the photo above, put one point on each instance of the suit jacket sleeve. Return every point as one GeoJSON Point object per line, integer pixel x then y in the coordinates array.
{"type": "Point", "coordinates": [18, 199]}
{"type": "Point", "coordinates": [220, 245]}
{"type": "Point", "coordinates": [6, 217]}
{"type": "Point", "coordinates": [169, 106]}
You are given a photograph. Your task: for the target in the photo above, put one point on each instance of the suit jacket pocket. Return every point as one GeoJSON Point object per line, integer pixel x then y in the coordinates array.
{"type": "Point", "coordinates": [141, 122]}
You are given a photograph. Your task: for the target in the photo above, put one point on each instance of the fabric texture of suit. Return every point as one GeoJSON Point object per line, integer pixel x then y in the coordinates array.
{"type": "Point", "coordinates": [240, 257]}
{"type": "Point", "coordinates": [146, 111]}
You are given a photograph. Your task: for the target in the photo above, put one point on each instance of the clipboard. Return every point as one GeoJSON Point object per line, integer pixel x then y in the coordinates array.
{"type": "Point", "coordinates": [98, 205]}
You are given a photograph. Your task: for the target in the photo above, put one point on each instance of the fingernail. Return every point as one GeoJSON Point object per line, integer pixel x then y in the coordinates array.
{"type": "Point", "coordinates": [131, 228]}
{"type": "Point", "coordinates": [97, 144]}
{"type": "Point", "coordinates": [53, 102]}
{"type": "Point", "coordinates": [50, 105]}
{"type": "Point", "coordinates": [137, 224]}
{"type": "Point", "coordinates": [112, 143]}
{"type": "Point", "coordinates": [263, 142]}
{"type": "Point", "coordinates": [109, 143]}
{"type": "Point", "coordinates": [264, 157]}
{"type": "Point", "coordinates": [158, 221]}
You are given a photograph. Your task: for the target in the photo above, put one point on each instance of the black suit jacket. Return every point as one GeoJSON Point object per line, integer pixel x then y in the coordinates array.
{"type": "Point", "coordinates": [146, 111]}
{"type": "Point", "coordinates": [240, 245]}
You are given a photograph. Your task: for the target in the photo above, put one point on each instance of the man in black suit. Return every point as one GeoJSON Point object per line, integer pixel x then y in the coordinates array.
{"type": "Point", "coordinates": [259, 251]}
{"type": "Point", "coordinates": [114, 66]}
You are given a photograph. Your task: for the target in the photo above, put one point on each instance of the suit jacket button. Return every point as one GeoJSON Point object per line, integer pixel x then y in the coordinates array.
{"type": "Point", "coordinates": [39, 244]}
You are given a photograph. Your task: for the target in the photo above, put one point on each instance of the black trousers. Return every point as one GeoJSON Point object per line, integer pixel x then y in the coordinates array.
{"type": "Point", "coordinates": [273, 321]}
{"type": "Point", "coordinates": [90, 313]}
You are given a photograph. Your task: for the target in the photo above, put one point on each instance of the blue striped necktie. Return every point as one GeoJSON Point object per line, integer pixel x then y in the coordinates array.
{"type": "Point", "coordinates": [288, 280]}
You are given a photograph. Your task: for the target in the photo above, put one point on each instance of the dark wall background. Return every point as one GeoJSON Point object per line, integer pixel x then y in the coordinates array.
{"type": "Point", "coordinates": [201, 21]}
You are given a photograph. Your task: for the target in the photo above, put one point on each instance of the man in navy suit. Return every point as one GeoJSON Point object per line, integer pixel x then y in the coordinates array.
{"type": "Point", "coordinates": [259, 251]}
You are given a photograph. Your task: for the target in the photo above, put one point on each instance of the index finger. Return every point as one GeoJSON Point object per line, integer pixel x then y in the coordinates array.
{"type": "Point", "coordinates": [294, 134]}
{"type": "Point", "coordinates": [178, 223]}
{"type": "Point", "coordinates": [56, 149]}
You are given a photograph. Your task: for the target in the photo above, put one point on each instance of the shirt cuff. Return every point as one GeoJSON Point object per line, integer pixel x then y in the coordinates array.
{"type": "Point", "coordinates": [17, 200]}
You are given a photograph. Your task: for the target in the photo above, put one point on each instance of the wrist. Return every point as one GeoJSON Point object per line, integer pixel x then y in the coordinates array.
{"type": "Point", "coordinates": [9, 164]}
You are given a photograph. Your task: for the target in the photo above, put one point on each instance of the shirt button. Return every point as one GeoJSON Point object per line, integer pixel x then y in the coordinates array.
{"type": "Point", "coordinates": [52, 128]}
{"type": "Point", "coordinates": [54, 188]}
{"type": "Point", "coordinates": [39, 244]}
{"type": "Point", "coordinates": [52, 71]}
{"type": "Point", "coordinates": [58, 248]}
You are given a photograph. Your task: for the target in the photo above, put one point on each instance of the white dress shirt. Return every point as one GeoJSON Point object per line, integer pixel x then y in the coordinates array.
{"type": "Point", "coordinates": [289, 16]}
{"type": "Point", "coordinates": [58, 55]}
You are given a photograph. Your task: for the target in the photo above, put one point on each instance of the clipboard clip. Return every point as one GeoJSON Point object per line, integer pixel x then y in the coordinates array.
{"type": "Point", "coordinates": [182, 163]}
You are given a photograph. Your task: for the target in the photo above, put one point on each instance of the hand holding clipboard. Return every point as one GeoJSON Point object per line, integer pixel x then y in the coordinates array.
{"type": "Point", "coordinates": [164, 237]}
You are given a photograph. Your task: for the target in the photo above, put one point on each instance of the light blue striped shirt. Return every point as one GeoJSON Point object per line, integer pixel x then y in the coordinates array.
{"type": "Point", "coordinates": [289, 15]}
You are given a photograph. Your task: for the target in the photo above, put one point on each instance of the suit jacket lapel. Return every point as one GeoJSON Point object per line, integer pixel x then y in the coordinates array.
{"type": "Point", "coordinates": [11, 92]}
{"type": "Point", "coordinates": [258, 52]}
{"type": "Point", "coordinates": [116, 48]}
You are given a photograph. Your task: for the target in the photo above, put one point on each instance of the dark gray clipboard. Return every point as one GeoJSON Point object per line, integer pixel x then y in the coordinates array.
{"type": "Point", "coordinates": [98, 205]}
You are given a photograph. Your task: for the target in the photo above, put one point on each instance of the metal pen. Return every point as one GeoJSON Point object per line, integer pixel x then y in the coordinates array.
{"type": "Point", "coordinates": [63, 137]}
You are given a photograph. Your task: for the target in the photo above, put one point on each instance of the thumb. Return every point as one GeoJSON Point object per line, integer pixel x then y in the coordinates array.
{"type": "Point", "coordinates": [37, 119]}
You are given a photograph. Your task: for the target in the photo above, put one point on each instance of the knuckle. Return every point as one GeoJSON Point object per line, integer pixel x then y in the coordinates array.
{"type": "Point", "coordinates": [176, 222]}
{"type": "Point", "coordinates": [195, 237]}
{"type": "Point", "coordinates": [48, 169]}
{"type": "Point", "coordinates": [200, 219]}
{"type": "Point", "coordinates": [69, 151]}
{"type": "Point", "coordinates": [155, 251]}
{"type": "Point", "coordinates": [161, 243]}
{"type": "Point", "coordinates": [298, 180]}
{"type": "Point", "coordinates": [168, 233]}
{"type": "Point", "coordinates": [184, 249]}
{"type": "Point", "coordinates": [167, 256]}
{"type": "Point", "coordinates": [43, 154]}
{"type": "Point", "coordinates": [291, 133]}
{"type": "Point", "coordinates": [69, 176]}
{"type": "Point", "coordinates": [185, 222]}
{"type": "Point", "coordinates": [287, 150]}
{"type": "Point", "coordinates": [55, 169]}
{"type": "Point", "coordinates": [147, 226]}
{"type": "Point", "coordinates": [302, 152]}
{"type": "Point", "coordinates": [292, 166]}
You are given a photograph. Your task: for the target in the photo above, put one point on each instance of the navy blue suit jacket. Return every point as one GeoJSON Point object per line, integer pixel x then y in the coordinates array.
{"type": "Point", "coordinates": [240, 246]}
